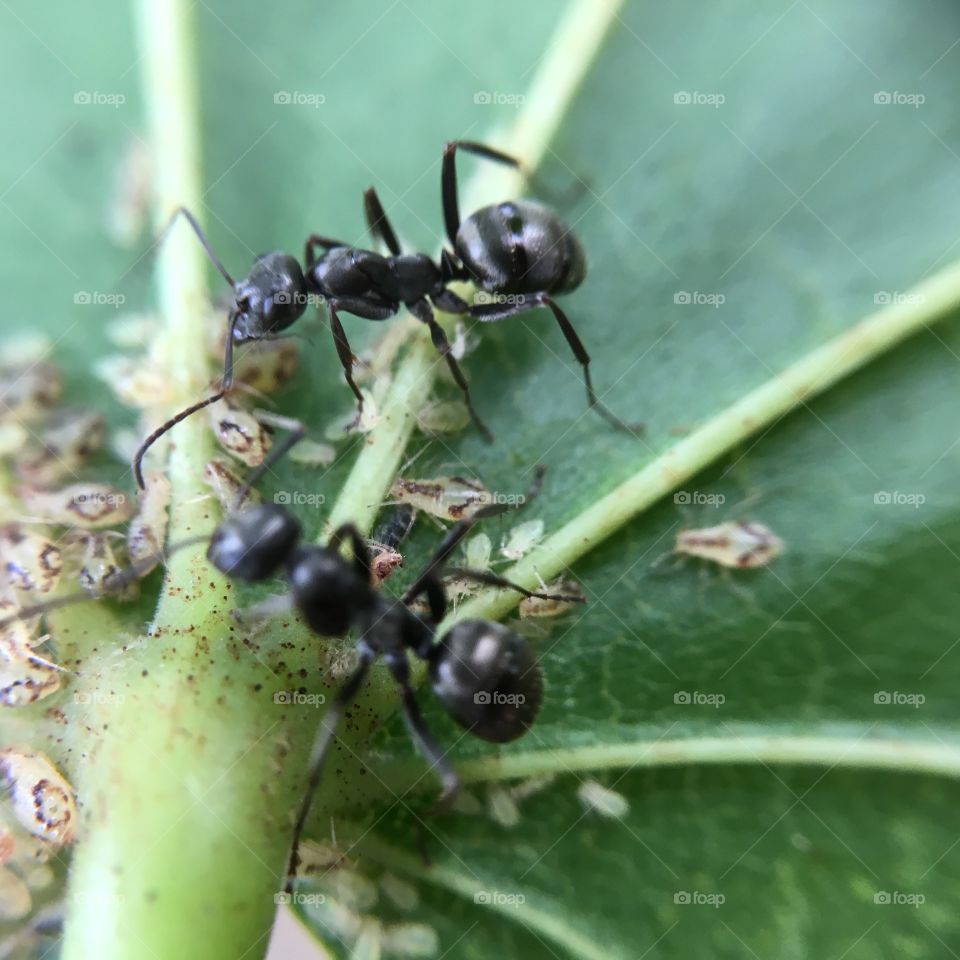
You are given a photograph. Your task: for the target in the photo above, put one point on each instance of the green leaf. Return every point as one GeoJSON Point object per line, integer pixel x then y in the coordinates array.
{"type": "Point", "coordinates": [750, 251]}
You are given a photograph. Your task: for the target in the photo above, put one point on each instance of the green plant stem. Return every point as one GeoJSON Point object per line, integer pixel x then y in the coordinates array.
{"type": "Point", "coordinates": [176, 755]}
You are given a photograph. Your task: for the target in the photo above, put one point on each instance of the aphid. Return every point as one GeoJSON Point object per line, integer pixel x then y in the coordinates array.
{"type": "Point", "coordinates": [15, 898]}
{"type": "Point", "coordinates": [442, 416]}
{"type": "Point", "coordinates": [738, 544]}
{"type": "Point", "coordinates": [314, 454]}
{"type": "Point", "coordinates": [520, 254]}
{"type": "Point", "coordinates": [227, 485]}
{"type": "Point", "coordinates": [66, 441]}
{"type": "Point", "coordinates": [537, 607]}
{"type": "Point", "coordinates": [24, 676]}
{"type": "Point", "coordinates": [478, 551]}
{"type": "Point", "coordinates": [239, 433]}
{"type": "Point", "coordinates": [100, 573]}
{"type": "Point", "coordinates": [602, 800]}
{"type": "Point", "coordinates": [348, 424]}
{"type": "Point", "coordinates": [531, 786]}
{"type": "Point", "coordinates": [385, 557]}
{"type": "Point", "coordinates": [13, 437]}
{"type": "Point", "coordinates": [43, 801]}
{"type": "Point", "coordinates": [126, 214]}
{"type": "Point", "coordinates": [402, 894]}
{"type": "Point", "coordinates": [450, 498]}
{"type": "Point", "coordinates": [410, 940]}
{"type": "Point", "coordinates": [267, 364]}
{"type": "Point", "coordinates": [28, 390]}
{"type": "Point", "coordinates": [30, 560]}
{"type": "Point", "coordinates": [132, 330]}
{"type": "Point", "coordinates": [89, 506]}
{"type": "Point", "coordinates": [502, 808]}
{"type": "Point", "coordinates": [134, 383]}
{"type": "Point", "coordinates": [522, 539]}
{"type": "Point", "coordinates": [27, 347]}
{"type": "Point", "coordinates": [145, 533]}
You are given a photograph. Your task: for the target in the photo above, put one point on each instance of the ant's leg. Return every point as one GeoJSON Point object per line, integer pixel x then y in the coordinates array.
{"type": "Point", "coordinates": [422, 310]}
{"type": "Point", "coordinates": [488, 313]}
{"type": "Point", "coordinates": [346, 356]}
{"type": "Point", "coordinates": [449, 302]}
{"type": "Point", "coordinates": [324, 243]}
{"type": "Point", "coordinates": [318, 753]}
{"type": "Point", "coordinates": [201, 236]}
{"type": "Point", "coordinates": [462, 527]}
{"type": "Point", "coordinates": [325, 735]}
{"type": "Point", "coordinates": [422, 737]}
{"type": "Point", "coordinates": [494, 580]}
{"type": "Point", "coordinates": [448, 179]}
{"type": "Point", "coordinates": [358, 546]}
{"type": "Point", "coordinates": [225, 385]}
{"type": "Point", "coordinates": [298, 430]}
{"type": "Point", "coordinates": [378, 223]}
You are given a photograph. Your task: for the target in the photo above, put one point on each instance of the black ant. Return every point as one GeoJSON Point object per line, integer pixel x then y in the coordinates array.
{"type": "Point", "coordinates": [485, 677]}
{"type": "Point", "coordinates": [519, 252]}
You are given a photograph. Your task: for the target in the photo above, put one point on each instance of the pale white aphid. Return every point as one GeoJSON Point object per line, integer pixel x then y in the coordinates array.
{"type": "Point", "coordinates": [410, 940]}
{"type": "Point", "coordinates": [226, 485]}
{"type": "Point", "coordinates": [147, 528]}
{"type": "Point", "coordinates": [522, 539]}
{"type": "Point", "coordinates": [402, 894]}
{"type": "Point", "coordinates": [15, 898]}
{"type": "Point", "coordinates": [30, 560]}
{"type": "Point", "coordinates": [443, 416]}
{"type": "Point", "coordinates": [239, 432]}
{"type": "Point", "coordinates": [134, 380]}
{"type": "Point", "coordinates": [13, 437]}
{"type": "Point", "coordinates": [89, 506]}
{"type": "Point", "coordinates": [27, 347]}
{"type": "Point", "coordinates": [67, 439]}
{"type": "Point", "coordinates": [538, 607]}
{"type": "Point", "coordinates": [346, 424]}
{"type": "Point", "coordinates": [502, 808]}
{"type": "Point", "coordinates": [532, 786]}
{"type": "Point", "coordinates": [128, 207]}
{"type": "Point", "coordinates": [600, 799]}
{"type": "Point", "coordinates": [477, 552]}
{"type": "Point", "coordinates": [43, 801]}
{"type": "Point", "coordinates": [450, 498]}
{"type": "Point", "coordinates": [312, 453]}
{"type": "Point", "coordinates": [131, 330]}
{"type": "Point", "coordinates": [737, 544]}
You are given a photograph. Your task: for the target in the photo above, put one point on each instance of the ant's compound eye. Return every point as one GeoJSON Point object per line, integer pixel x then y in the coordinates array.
{"type": "Point", "coordinates": [254, 543]}
{"type": "Point", "coordinates": [487, 679]}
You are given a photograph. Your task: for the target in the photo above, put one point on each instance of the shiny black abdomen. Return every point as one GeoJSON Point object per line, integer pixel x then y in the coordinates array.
{"type": "Point", "coordinates": [520, 247]}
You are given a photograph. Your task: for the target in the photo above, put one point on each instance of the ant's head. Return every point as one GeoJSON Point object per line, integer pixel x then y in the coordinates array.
{"type": "Point", "coordinates": [327, 590]}
{"type": "Point", "coordinates": [487, 679]}
{"type": "Point", "coordinates": [255, 543]}
{"type": "Point", "coordinates": [271, 298]}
